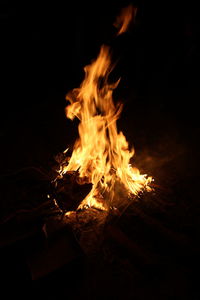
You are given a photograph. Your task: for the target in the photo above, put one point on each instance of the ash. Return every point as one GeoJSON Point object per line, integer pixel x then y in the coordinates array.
{"type": "Point", "coordinates": [88, 226]}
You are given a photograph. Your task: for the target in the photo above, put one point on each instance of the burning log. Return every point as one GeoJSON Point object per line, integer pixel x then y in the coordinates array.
{"type": "Point", "coordinates": [70, 190]}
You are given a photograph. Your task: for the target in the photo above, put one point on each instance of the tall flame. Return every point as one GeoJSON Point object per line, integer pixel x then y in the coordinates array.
{"type": "Point", "coordinates": [101, 154]}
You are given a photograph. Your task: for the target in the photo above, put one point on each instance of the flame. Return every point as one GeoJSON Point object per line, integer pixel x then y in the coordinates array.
{"type": "Point", "coordinates": [101, 154]}
{"type": "Point", "coordinates": [124, 19]}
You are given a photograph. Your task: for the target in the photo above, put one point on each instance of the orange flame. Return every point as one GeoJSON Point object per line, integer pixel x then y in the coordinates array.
{"type": "Point", "coordinates": [124, 19]}
{"type": "Point", "coordinates": [101, 154]}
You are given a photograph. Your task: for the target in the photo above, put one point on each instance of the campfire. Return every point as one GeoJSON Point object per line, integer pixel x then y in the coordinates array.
{"type": "Point", "coordinates": [101, 156]}
{"type": "Point", "coordinates": [88, 223]}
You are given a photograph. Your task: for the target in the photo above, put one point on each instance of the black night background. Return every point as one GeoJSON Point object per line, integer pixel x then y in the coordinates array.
{"type": "Point", "coordinates": [44, 48]}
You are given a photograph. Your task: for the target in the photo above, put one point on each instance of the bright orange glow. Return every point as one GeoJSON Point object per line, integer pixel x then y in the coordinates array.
{"type": "Point", "coordinates": [124, 19]}
{"type": "Point", "coordinates": [101, 154]}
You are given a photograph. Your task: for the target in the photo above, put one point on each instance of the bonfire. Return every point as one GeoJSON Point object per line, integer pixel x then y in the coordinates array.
{"type": "Point", "coordinates": [101, 155]}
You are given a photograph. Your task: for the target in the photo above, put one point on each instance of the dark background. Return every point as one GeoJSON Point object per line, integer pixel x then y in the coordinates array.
{"type": "Point", "coordinates": [44, 48]}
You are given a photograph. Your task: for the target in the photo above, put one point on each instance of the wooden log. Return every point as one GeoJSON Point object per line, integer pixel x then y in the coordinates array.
{"type": "Point", "coordinates": [58, 248]}
{"type": "Point", "coordinates": [70, 191]}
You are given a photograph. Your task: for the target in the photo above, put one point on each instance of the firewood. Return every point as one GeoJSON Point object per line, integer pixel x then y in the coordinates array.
{"type": "Point", "coordinates": [70, 190]}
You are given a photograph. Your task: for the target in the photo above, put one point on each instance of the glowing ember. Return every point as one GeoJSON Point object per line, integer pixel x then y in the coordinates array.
{"type": "Point", "coordinates": [101, 154]}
